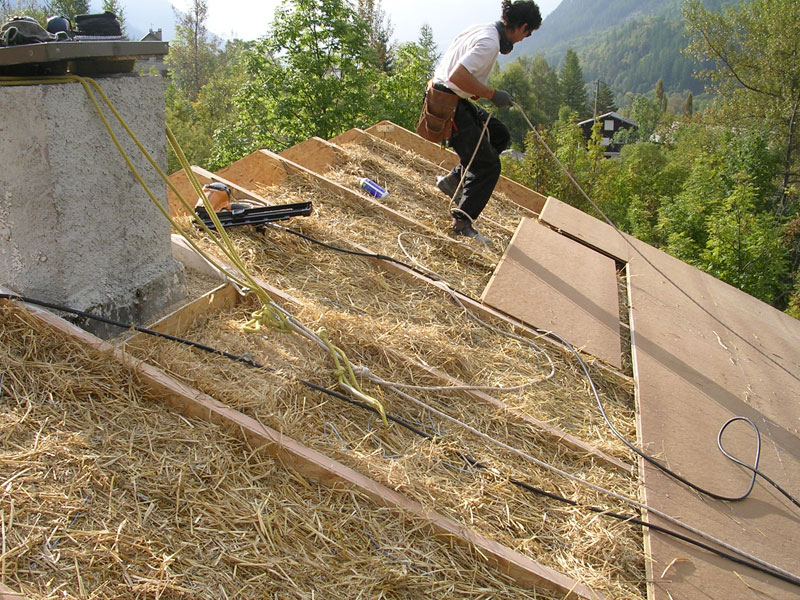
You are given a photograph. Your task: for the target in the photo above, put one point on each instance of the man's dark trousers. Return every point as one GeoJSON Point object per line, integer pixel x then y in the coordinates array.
{"type": "Point", "coordinates": [485, 169]}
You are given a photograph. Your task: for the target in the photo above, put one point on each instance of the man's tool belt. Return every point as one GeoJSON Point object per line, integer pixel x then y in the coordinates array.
{"type": "Point", "coordinates": [436, 120]}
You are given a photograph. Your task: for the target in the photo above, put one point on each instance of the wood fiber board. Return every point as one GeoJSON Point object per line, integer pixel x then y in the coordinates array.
{"type": "Point", "coordinates": [704, 352]}
{"type": "Point", "coordinates": [551, 282]}
{"type": "Point", "coordinates": [592, 232]}
{"type": "Point", "coordinates": [700, 358]}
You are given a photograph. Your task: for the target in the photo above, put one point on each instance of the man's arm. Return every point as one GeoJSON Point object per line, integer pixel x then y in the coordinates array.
{"type": "Point", "coordinates": [464, 80]}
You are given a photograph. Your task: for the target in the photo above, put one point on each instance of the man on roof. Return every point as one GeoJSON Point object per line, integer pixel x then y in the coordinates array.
{"type": "Point", "coordinates": [464, 71]}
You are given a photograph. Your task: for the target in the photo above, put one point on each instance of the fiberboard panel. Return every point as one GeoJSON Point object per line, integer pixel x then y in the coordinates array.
{"type": "Point", "coordinates": [551, 282]}
{"type": "Point", "coordinates": [693, 374]}
{"type": "Point", "coordinates": [704, 352]}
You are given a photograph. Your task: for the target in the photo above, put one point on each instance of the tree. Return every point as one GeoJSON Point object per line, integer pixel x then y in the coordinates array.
{"type": "Point", "coordinates": [380, 35]}
{"type": "Point", "coordinates": [573, 88]}
{"type": "Point", "coordinates": [753, 47]}
{"type": "Point", "coordinates": [513, 79]}
{"type": "Point", "coordinates": [398, 97]}
{"type": "Point", "coordinates": [314, 75]}
{"type": "Point", "coordinates": [69, 8]}
{"type": "Point", "coordinates": [688, 107]}
{"type": "Point", "coordinates": [661, 97]}
{"type": "Point", "coordinates": [604, 99]}
{"type": "Point", "coordinates": [115, 7]}
{"type": "Point", "coordinates": [191, 53]}
{"type": "Point", "coordinates": [545, 91]}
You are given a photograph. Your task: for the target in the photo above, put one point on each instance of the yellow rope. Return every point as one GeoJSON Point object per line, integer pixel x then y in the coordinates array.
{"type": "Point", "coordinates": [268, 315]}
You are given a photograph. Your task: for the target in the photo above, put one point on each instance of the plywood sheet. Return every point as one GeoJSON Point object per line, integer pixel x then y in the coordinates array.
{"type": "Point", "coordinates": [705, 352]}
{"type": "Point", "coordinates": [554, 283]}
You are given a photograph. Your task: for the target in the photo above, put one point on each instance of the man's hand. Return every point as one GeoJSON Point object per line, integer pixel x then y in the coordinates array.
{"type": "Point", "coordinates": [502, 99]}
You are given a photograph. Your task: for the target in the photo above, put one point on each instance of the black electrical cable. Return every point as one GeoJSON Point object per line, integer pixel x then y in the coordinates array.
{"type": "Point", "coordinates": [754, 468]}
{"type": "Point", "coordinates": [374, 255]}
{"type": "Point", "coordinates": [412, 428]}
{"type": "Point", "coordinates": [538, 491]}
{"type": "Point", "coordinates": [614, 430]}
{"type": "Point", "coordinates": [128, 326]}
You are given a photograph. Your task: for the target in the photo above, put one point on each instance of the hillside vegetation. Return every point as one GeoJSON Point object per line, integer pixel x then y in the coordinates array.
{"type": "Point", "coordinates": [629, 44]}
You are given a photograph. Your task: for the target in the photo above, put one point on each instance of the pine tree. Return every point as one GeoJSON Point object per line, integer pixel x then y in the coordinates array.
{"type": "Point", "coordinates": [661, 98]}
{"type": "Point", "coordinates": [604, 99]}
{"type": "Point", "coordinates": [69, 8]}
{"type": "Point", "coordinates": [380, 35]}
{"type": "Point", "coordinates": [570, 80]}
{"type": "Point", "coordinates": [688, 107]}
{"type": "Point", "coordinates": [113, 6]}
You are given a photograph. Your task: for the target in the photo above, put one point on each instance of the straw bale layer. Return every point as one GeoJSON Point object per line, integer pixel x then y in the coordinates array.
{"type": "Point", "coordinates": [368, 311]}
{"type": "Point", "coordinates": [106, 494]}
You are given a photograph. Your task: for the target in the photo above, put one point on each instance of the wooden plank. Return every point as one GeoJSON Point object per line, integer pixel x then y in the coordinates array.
{"type": "Point", "coordinates": [399, 136]}
{"type": "Point", "coordinates": [239, 190]}
{"type": "Point", "coordinates": [556, 284]}
{"type": "Point", "coordinates": [256, 169]}
{"type": "Point", "coordinates": [186, 190]}
{"type": "Point", "coordinates": [6, 593]}
{"type": "Point", "coordinates": [313, 465]}
{"type": "Point", "coordinates": [315, 154]}
{"type": "Point", "coordinates": [590, 231]}
{"type": "Point", "coordinates": [692, 376]}
{"type": "Point", "coordinates": [517, 193]}
{"type": "Point", "coordinates": [183, 318]}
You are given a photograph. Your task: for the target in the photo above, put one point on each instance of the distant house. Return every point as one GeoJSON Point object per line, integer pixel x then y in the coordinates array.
{"type": "Point", "coordinates": [152, 63]}
{"type": "Point", "coordinates": [611, 123]}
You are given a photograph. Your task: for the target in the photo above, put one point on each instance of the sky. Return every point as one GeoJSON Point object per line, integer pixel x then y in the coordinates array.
{"type": "Point", "coordinates": [249, 19]}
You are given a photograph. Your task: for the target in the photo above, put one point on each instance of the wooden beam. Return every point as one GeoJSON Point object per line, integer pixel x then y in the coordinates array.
{"type": "Point", "coordinates": [182, 319]}
{"type": "Point", "coordinates": [235, 187]}
{"type": "Point", "coordinates": [314, 465]}
{"type": "Point", "coordinates": [315, 154]}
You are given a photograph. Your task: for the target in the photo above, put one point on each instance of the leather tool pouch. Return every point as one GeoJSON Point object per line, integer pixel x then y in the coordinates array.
{"type": "Point", "coordinates": [436, 121]}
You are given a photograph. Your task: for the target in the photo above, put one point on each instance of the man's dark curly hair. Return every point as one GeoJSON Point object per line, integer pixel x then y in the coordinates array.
{"type": "Point", "coordinates": [521, 12]}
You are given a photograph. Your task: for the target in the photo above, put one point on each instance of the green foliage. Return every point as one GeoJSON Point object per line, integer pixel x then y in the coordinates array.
{"type": "Point", "coordinates": [545, 91]}
{"type": "Point", "coordinates": [380, 33]}
{"type": "Point", "coordinates": [69, 8]}
{"type": "Point", "coordinates": [704, 194]}
{"type": "Point", "coordinates": [572, 85]}
{"type": "Point", "coordinates": [630, 44]}
{"type": "Point", "coordinates": [754, 48]}
{"type": "Point", "coordinates": [312, 76]}
{"type": "Point", "coordinates": [604, 99]}
{"type": "Point", "coordinates": [30, 8]}
{"type": "Point", "coordinates": [114, 6]}
{"type": "Point", "coordinates": [193, 51]}
{"type": "Point", "coordinates": [398, 98]}
{"type": "Point", "coordinates": [514, 80]}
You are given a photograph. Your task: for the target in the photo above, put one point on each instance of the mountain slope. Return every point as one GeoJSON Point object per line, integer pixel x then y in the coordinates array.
{"type": "Point", "coordinates": [629, 44]}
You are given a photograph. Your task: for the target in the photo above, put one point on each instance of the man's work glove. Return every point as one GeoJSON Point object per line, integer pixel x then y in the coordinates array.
{"type": "Point", "coordinates": [501, 99]}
